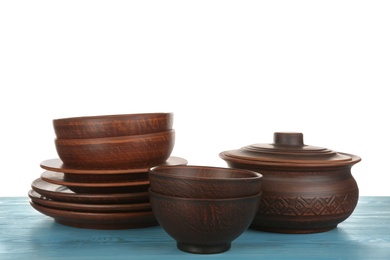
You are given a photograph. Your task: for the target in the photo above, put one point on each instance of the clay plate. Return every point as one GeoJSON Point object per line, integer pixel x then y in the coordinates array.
{"type": "Point", "coordinates": [63, 193]}
{"type": "Point", "coordinates": [123, 177]}
{"type": "Point", "coordinates": [93, 220]}
{"type": "Point", "coordinates": [57, 165]}
{"type": "Point", "coordinates": [96, 187]}
{"type": "Point", "coordinates": [81, 207]}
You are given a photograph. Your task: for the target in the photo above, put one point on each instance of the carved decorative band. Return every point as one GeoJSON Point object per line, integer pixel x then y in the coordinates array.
{"type": "Point", "coordinates": [308, 206]}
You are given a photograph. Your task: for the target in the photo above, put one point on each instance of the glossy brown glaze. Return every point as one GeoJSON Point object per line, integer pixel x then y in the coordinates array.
{"type": "Point", "coordinates": [112, 125]}
{"type": "Point", "coordinates": [126, 151]}
{"type": "Point", "coordinates": [306, 189]}
{"type": "Point", "coordinates": [204, 226]}
{"type": "Point", "coordinates": [204, 182]}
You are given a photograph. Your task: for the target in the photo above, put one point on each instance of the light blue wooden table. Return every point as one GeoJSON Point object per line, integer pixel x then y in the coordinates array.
{"type": "Point", "coordinates": [27, 234]}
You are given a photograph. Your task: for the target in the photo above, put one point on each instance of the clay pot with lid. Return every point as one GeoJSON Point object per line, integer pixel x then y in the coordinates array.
{"type": "Point", "coordinates": [306, 189]}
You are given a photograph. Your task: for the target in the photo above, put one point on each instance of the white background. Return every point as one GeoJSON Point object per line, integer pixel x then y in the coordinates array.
{"type": "Point", "coordinates": [232, 72]}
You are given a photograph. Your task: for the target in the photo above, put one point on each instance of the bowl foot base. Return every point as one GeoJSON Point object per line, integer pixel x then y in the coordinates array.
{"type": "Point", "coordinates": [199, 249]}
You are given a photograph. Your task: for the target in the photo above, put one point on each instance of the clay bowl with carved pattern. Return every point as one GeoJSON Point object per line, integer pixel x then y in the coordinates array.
{"type": "Point", "coordinates": [132, 151]}
{"type": "Point", "coordinates": [306, 189]}
{"type": "Point", "coordinates": [204, 226]}
{"type": "Point", "coordinates": [204, 182]}
{"type": "Point", "coordinates": [112, 125]}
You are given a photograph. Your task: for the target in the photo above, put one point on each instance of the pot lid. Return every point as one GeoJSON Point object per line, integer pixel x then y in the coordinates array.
{"type": "Point", "coordinates": [288, 148]}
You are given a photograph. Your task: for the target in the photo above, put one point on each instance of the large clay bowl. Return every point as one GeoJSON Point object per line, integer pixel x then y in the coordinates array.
{"type": "Point", "coordinates": [115, 152]}
{"type": "Point", "coordinates": [112, 125]}
{"type": "Point", "coordinates": [204, 226]}
{"type": "Point", "coordinates": [204, 182]}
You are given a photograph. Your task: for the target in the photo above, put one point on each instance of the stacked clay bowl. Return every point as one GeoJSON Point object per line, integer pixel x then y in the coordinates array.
{"type": "Point", "coordinates": [204, 208]}
{"type": "Point", "coordinates": [100, 179]}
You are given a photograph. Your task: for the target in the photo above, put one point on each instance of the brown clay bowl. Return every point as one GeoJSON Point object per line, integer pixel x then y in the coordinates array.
{"type": "Point", "coordinates": [204, 182]}
{"type": "Point", "coordinates": [204, 226]}
{"type": "Point", "coordinates": [112, 125]}
{"type": "Point", "coordinates": [116, 152]}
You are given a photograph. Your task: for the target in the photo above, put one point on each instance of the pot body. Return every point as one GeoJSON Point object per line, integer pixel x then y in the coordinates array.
{"type": "Point", "coordinates": [303, 199]}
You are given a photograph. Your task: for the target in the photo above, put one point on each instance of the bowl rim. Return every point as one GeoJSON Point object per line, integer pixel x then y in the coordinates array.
{"type": "Point", "coordinates": [254, 175]}
{"type": "Point", "coordinates": [110, 117]}
{"type": "Point", "coordinates": [167, 197]}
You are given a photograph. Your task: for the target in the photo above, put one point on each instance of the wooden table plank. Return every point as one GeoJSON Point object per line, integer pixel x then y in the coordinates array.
{"type": "Point", "coordinates": [27, 234]}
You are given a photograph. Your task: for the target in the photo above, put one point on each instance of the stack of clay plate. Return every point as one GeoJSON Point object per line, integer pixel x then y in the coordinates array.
{"type": "Point", "coordinates": [100, 180]}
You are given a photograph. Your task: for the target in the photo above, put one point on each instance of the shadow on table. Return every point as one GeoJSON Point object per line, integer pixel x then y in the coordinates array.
{"type": "Point", "coordinates": [339, 243]}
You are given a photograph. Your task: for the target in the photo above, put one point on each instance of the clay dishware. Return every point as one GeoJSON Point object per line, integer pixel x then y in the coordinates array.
{"type": "Point", "coordinates": [112, 125]}
{"type": "Point", "coordinates": [204, 182]}
{"type": "Point", "coordinates": [96, 187]}
{"type": "Point", "coordinates": [82, 207]}
{"type": "Point", "coordinates": [93, 220]}
{"type": "Point", "coordinates": [105, 178]}
{"type": "Point", "coordinates": [204, 226]}
{"type": "Point", "coordinates": [125, 151]}
{"type": "Point", "coordinates": [77, 174]}
{"type": "Point", "coordinates": [306, 189]}
{"type": "Point", "coordinates": [63, 193]}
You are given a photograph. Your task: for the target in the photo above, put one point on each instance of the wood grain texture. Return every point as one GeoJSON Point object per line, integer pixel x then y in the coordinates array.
{"type": "Point", "coordinates": [27, 234]}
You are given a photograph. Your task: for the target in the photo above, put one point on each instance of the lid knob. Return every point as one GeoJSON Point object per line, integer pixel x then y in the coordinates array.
{"type": "Point", "coordinates": [288, 139]}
